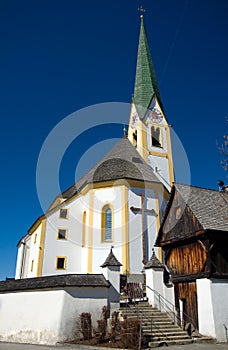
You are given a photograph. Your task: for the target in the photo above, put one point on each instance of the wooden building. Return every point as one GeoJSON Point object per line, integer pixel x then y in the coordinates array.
{"type": "Point", "coordinates": [194, 239]}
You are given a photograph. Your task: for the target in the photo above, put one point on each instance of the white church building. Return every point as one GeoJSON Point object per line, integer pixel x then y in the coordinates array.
{"type": "Point", "coordinates": [118, 203]}
{"type": "Point", "coordinates": [64, 262]}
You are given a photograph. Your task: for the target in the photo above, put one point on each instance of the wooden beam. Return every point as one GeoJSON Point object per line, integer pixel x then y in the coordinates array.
{"type": "Point", "coordinates": [189, 278]}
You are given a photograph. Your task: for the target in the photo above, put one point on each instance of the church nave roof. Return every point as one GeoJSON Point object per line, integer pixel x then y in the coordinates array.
{"type": "Point", "coordinates": [122, 162]}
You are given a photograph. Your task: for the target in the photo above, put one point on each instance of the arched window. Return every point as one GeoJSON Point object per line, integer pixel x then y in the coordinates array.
{"type": "Point", "coordinates": [106, 223]}
{"type": "Point", "coordinates": [156, 137]}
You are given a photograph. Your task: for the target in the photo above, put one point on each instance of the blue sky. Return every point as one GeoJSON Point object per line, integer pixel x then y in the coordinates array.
{"type": "Point", "coordinates": [60, 56]}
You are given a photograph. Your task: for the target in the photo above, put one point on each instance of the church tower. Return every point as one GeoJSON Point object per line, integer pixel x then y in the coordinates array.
{"type": "Point", "coordinates": [149, 130]}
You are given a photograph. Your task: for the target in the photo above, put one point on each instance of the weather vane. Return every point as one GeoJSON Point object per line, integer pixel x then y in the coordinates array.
{"type": "Point", "coordinates": [142, 10]}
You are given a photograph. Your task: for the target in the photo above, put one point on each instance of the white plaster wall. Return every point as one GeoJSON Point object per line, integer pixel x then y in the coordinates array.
{"type": "Point", "coordinates": [19, 261]}
{"type": "Point", "coordinates": [47, 317]}
{"type": "Point", "coordinates": [76, 301]}
{"type": "Point", "coordinates": [135, 227]}
{"type": "Point", "coordinates": [31, 317]}
{"type": "Point", "coordinates": [162, 171]}
{"type": "Point", "coordinates": [205, 307]}
{"type": "Point", "coordinates": [212, 307]}
{"type": "Point", "coordinates": [169, 295]}
{"type": "Point", "coordinates": [77, 208]}
{"type": "Point", "coordinates": [28, 251]}
{"type": "Point", "coordinates": [135, 231]}
{"type": "Point", "coordinates": [34, 252]}
{"type": "Point", "coordinates": [220, 307]}
{"type": "Point", "coordinates": [113, 197]}
{"type": "Point", "coordinates": [26, 259]}
{"type": "Point", "coordinates": [77, 256]}
{"type": "Point", "coordinates": [71, 248]}
{"type": "Point", "coordinates": [154, 285]}
{"type": "Point", "coordinates": [112, 274]}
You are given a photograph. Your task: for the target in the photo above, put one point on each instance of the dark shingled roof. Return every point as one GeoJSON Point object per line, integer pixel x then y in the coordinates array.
{"type": "Point", "coordinates": [50, 282]}
{"type": "Point", "coordinates": [209, 206]}
{"type": "Point", "coordinates": [122, 162]}
{"type": "Point", "coordinates": [153, 262]}
{"type": "Point", "coordinates": [111, 260]}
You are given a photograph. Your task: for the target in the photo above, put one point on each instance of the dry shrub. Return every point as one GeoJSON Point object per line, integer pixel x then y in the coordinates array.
{"type": "Point", "coordinates": [130, 333]}
{"type": "Point", "coordinates": [101, 330]}
{"type": "Point", "coordinates": [115, 326]}
{"type": "Point", "coordinates": [86, 325]}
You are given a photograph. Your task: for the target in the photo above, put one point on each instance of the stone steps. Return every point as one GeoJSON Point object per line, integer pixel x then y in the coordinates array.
{"type": "Point", "coordinates": [162, 330]}
{"type": "Point", "coordinates": [159, 343]}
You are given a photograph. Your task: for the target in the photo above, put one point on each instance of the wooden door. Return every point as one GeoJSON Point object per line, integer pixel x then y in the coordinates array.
{"type": "Point", "coordinates": [187, 293]}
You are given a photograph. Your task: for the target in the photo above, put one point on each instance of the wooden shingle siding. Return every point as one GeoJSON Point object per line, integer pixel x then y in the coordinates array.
{"type": "Point", "coordinates": [184, 226]}
{"type": "Point", "coordinates": [186, 259]}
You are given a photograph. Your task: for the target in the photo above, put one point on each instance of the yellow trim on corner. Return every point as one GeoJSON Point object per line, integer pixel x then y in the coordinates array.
{"type": "Point", "coordinates": [36, 224]}
{"type": "Point", "coordinates": [170, 156]}
{"type": "Point", "coordinates": [90, 232]}
{"type": "Point", "coordinates": [125, 232]}
{"type": "Point", "coordinates": [41, 248]}
{"type": "Point", "coordinates": [142, 140]}
{"type": "Point", "coordinates": [158, 154]}
{"type": "Point", "coordinates": [84, 228]}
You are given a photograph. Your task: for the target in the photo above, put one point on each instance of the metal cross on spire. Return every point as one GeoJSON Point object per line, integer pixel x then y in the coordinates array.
{"type": "Point", "coordinates": [142, 10]}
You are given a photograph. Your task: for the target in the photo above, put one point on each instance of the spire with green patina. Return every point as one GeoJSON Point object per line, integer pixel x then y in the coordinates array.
{"type": "Point", "coordinates": [146, 86]}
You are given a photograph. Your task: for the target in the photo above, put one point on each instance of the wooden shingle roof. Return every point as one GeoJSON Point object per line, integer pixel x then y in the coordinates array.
{"type": "Point", "coordinates": [153, 262]}
{"type": "Point", "coordinates": [111, 260]}
{"type": "Point", "coordinates": [122, 162]}
{"type": "Point", "coordinates": [201, 209]}
{"type": "Point", "coordinates": [209, 206]}
{"type": "Point", "coordinates": [57, 281]}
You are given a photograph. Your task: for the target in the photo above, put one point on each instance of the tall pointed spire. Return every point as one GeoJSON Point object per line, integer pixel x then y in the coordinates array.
{"type": "Point", "coordinates": [146, 86]}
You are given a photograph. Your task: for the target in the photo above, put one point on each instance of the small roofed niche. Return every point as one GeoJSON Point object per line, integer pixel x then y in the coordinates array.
{"type": "Point", "coordinates": [156, 137]}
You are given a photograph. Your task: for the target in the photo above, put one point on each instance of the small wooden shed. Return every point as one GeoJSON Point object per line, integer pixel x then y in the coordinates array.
{"type": "Point", "coordinates": [194, 239]}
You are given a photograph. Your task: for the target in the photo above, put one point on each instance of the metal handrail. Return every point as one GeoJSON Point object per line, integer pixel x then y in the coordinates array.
{"type": "Point", "coordinates": [150, 319]}
{"type": "Point", "coordinates": [162, 301]}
